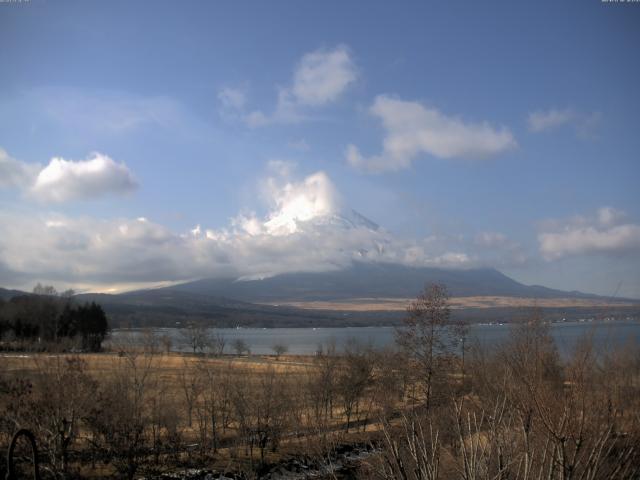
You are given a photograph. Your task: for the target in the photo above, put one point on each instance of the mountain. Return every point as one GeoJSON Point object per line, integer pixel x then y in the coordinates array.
{"type": "Point", "coordinates": [231, 302]}
{"type": "Point", "coordinates": [370, 280]}
{"type": "Point", "coordinates": [263, 303]}
{"type": "Point", "coordinates": [6, 294]}
{"type": "Point", "coordinates": [346, 219]}
{"type": "Point", "coordinates": [166, 307]}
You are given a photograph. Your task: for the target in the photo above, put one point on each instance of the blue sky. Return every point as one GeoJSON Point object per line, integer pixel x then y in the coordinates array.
{"type": "Point", "coordinates": [500, 134]}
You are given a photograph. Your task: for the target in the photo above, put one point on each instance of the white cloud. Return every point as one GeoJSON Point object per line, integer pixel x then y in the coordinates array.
{"type": "Point", "coordinates": [63, 180]}
{"type": "Point", "coordinates": [84, 249]}
{"type": "Point", "coordinates": [286, 112]}
{"type": "Point", "coordinates": [545, 120]}
{"type": "Point", "coordinates": [15, 174]}
{"type": "Point", "coordinates": [232, 103]}
{"type": "Point", "coordinates": [608, 216]}
{"type": "Point", "coordinates": [232, 98]}
{"type": "Point", "coordinates": [320, 78]}
{"type": "Point", "coordinates": [314, 197]}
{"type": "Point", "coordinates": [281, 168]}
{"type": "Point", "coordinates": [496, 249]}
{"type": "Point", "coordinates": [491, 239]}
{"type": "Point", "coordinates": [413, 129]}
{"type": "Point", "coordinates": [606, 232]}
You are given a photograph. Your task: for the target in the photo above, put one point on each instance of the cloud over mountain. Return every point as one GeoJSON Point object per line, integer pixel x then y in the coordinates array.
{"type": "Point", "coordinates": [307, 229]}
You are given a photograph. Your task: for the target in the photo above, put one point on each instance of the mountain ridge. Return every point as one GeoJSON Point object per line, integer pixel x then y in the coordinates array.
{"type": "Point", "coordinates": [371, 280]}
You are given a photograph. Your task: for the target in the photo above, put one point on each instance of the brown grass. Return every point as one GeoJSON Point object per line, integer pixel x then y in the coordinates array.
{"type": "Point", "coordinates": [401, 304]}
{"type": "Point", "coordinates": [169, 365]}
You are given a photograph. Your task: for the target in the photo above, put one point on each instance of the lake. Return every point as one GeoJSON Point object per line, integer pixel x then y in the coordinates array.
{"type": "Point", "coordinates": [304, 341]}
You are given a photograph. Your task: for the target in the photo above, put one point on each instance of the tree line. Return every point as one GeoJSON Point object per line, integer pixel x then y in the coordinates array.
{"type": "Point", "coordinates": [47, 319]}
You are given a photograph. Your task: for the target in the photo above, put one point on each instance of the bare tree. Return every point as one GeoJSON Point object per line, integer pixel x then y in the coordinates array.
{"type": "Point", "coordinates": [412, 452]}
{"type": "Point", "coordinates": [189, 381]}
{"type": "Point", "coordinates": [45, 290]}
{"type": "Point", "coordinates": [212, 406]}
{"type": "Point", "coordinates": [218, 343]}
{"type": "Point", "coordinates": [54, 406]}
{"type": "Point", "coordinates": [390, 381]}
{"type": "Point", "coordinates": [163, 416]}
{"type": "Point", "coordinates": [270, 410]}
{"type": "Point", "coordinates": [424, 335]}
{"type": "Point", "coordinates": [321, 385]}
{"type": "Point", "coordinates": [119, 419]}
{"type": "Point", "coordinates": [197, 337]}
{"type": "Point", "coordinates": [279, 349]}
{"type": "Point", "coordinates": [150, 341]}
{"type": "Point", "coordinates": [460, 330]}
{"type": "Point", "coordinates": [166, 342]}
{"type": "Point", "coordinates": [355, 376]}
{"type": "Point", "coordinates": [240, 346]}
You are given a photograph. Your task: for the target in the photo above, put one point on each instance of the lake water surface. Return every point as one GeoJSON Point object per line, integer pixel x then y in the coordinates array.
{"type": "Point", "coordinates": [303, 341]}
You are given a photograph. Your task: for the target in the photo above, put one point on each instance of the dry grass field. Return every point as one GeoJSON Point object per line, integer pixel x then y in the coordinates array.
{"type": "Point", "coordinates": [220, 411]}
{"type": "Point", "coordinates": [168, 365]}
{"type": "Point", "coordinates": [401, 304]}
